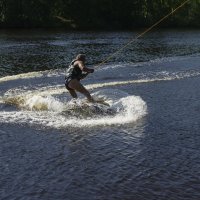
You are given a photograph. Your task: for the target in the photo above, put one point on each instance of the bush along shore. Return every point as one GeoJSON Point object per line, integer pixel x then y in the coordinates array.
{"type": "Point", "coordinates": [96, 14]}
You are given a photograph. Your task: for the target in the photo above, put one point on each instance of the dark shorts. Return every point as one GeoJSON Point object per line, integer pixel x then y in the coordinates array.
{"type": "Point", "coordinates": [67, 80]}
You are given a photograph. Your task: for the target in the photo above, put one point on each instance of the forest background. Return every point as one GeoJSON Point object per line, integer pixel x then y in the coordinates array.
{"type": "Point", "coordinates": [96, 14]}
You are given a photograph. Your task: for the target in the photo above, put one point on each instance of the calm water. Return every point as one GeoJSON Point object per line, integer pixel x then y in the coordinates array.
{"type": "Point", "coordinates": [148, 149]}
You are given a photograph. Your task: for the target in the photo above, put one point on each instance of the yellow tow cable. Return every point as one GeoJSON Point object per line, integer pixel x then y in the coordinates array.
{"type": "Point", "coordinates": [141, 34]}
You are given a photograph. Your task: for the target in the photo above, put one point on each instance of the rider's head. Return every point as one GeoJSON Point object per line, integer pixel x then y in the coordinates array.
{"type": "Point", "coordinates": [80, 57]}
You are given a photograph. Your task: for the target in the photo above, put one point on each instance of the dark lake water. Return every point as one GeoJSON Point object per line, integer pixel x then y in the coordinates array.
{"type": "Point", "coordinates": [147, 148]}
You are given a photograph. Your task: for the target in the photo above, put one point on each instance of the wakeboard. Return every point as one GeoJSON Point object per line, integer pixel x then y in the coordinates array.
{"type": "Point", "coordinates": [82, 109]}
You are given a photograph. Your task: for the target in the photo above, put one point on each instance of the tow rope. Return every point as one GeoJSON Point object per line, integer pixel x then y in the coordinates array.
{"type": "Point", "coordinates": [141, 34]}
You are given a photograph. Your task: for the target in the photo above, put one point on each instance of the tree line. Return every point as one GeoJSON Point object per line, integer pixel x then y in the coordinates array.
{"type": "Point", "coordinates": [96, 14]}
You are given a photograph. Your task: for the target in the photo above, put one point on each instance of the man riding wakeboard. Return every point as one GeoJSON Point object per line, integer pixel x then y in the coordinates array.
{"type": "Point", "coordinates": [74, 73]}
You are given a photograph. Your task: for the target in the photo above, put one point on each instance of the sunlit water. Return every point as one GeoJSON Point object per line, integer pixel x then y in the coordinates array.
{"type": "Point", "coordinates": [144, 145]}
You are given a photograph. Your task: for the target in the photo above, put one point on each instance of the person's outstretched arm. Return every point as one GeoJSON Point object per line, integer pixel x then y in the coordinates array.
{"type": "Point", "coordinates": [84, 68]}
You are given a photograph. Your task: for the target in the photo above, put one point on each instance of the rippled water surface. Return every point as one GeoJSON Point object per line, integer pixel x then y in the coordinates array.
{"type": "Point", "coordinates": [145, 145]}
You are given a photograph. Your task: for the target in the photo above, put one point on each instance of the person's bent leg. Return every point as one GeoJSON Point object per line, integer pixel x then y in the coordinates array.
{"type": "Point", "coordinates": [76, 85]}
{"type": "Point", "coordinates": [71, 91]}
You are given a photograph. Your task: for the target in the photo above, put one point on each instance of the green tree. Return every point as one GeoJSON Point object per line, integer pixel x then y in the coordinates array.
{"type": "Point", "coordinates": [96, 14]}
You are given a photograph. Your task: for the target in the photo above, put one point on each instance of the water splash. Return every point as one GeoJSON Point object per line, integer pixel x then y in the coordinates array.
{"type": "Point", "coordinates": [48, 111]}
{"type": "Point", "coordinates": [43, 105]}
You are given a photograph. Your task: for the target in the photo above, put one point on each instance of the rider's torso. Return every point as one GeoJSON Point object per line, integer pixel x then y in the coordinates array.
{"type": "Point", "coordinates": [73, 71]}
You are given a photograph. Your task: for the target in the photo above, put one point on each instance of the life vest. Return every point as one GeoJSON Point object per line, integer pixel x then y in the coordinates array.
{"type": "Point", "coordinates": [73, 72]}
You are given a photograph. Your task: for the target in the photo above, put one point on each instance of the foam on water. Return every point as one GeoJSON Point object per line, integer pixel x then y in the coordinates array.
{"type": "Point", "coordinates": [44, 106]}
{"type": "Point", "coordinates": [21, 76]}
{"type": "Point", "coordinates": [46, 73]}
{"type": "Point", "coordinates": [16, 93]}
{"type": "Point", "coordinates": [19, 96]}
{"type": "Point", "coordinates": [153, 62]}
{"type": "Point", "coordinates": [39, 103]}
{"type": "Point", "coordinates": [107, 68]}
{"type": "Point", "coordinates": [128, 109]}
